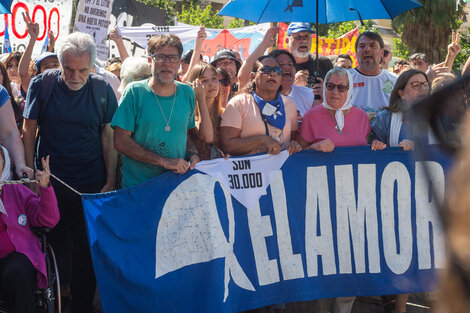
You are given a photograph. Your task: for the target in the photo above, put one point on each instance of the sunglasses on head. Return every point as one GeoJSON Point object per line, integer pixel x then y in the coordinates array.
{"type": "Point", "coordinates": [224, 82]}
{"type": "Point", "coordinates": [270, 69]}
{"type": "Point", "coordinates": [341, 88]}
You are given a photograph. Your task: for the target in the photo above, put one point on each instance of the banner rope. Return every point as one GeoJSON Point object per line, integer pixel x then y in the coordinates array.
{"type": "Point", "coordinates": [27, 180]}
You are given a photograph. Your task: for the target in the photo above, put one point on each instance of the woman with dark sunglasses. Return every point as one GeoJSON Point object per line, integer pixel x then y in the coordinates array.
{"type": "Point", "coordinates": [335, 123]}
{"type": "Point", "coordinates": [390, 128]}
{"type": "Point", "coordinates": [259, 119]}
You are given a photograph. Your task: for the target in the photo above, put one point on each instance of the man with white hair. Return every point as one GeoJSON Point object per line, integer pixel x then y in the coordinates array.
{"type": "Point", "coordinates": [73, 108]}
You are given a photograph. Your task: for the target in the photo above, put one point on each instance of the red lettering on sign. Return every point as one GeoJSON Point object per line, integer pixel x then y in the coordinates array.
{"type": "Point", "coordinates": [17, 6]}
{"type": "Point", "coordinates": [56, 34]}
{"type": "Point", "coordinates": [40, 8]}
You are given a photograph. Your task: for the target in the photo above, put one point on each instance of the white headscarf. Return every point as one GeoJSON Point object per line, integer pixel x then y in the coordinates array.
{"type": "Point", "coordinates": [6, 173]}
{"type": "Point", "coordinates": [339, 115]}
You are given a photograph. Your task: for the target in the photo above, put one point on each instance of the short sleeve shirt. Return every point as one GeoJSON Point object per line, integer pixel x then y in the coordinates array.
{"type": "Point", "coordinates": [372, 93]}
{"type": "Point", "coordinates": [243, 113]}
{"type": "Point", "coordinates": [145, 115]}
{"type": "Point", "coordinates": [318, 125]}
{"type": "Point", "coordinates": [70, 130]}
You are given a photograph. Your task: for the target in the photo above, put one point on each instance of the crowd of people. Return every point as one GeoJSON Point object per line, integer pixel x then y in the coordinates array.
{"type": "Point", "coordinates": [101, 129]}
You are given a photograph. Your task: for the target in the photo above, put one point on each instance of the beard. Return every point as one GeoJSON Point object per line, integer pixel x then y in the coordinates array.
{"type": "Point", "coordinates": [300, 54]}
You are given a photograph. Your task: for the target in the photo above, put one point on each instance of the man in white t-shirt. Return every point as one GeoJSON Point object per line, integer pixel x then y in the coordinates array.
{"type": "Point", "coordinates": [372, 85]}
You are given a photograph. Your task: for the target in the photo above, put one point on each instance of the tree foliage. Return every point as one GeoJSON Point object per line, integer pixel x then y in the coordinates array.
{"type": "Point", "coordinates": [336, 30]}
{"type": "Point", "coordinates": [427, 29]}
{"type": "Point", "coordinates": [194, 15]}
{"type": "Point", "coordinates": [168, 6]}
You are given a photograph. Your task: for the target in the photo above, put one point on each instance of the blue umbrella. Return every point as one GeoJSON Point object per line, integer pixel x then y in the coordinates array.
{"type": "Point", "coordinates": [5, 6]}
{"type": "Point", "coordinates": [329, 11]}
{"type": "Point", "coordinates": [318, 12]}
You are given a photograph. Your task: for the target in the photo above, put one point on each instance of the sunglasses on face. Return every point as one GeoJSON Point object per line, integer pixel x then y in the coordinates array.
{"type": "Point", "coordinates": [267, 70]}
{"type": "Point", "coordinates": [386, 53]}
{"type": "Point", "coordinates": [417, 85]}
{"type": "Point", "coordinates": [224, 82]}
{"type": "Point", "coordinates": [161, 58]}
{"type": "Point", "coordinates": [341, 88]}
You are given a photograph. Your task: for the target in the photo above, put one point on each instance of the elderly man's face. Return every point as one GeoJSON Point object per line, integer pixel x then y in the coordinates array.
{"type": "Point", "coordinates": [419, 64]}
{"type": "Point", "coordinates": [229, 66]}
{"type": "Point", "coordinates": [300, 44]}
{"type": "Point", "coordinates": [76, 70]}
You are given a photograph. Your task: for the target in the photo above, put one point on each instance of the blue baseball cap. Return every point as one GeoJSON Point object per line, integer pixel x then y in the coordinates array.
{"type": "Point", "coordinates": [298, 27]}
{"type": "Point", "coordinates": [42, 57]}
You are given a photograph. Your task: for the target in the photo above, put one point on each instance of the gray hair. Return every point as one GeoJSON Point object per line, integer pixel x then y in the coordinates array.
{"type": "Point", "coordinates": [340, 71]}
{"type": "Point", "coordinates": [77, 44]}
{"type": "Point", "coordinates": [130, 67]}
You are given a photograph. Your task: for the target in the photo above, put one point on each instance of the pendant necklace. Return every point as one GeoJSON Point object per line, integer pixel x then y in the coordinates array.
{"type": "Point", "coordinates": [336, 123]}
{"type": "Point", "coordinates": [167, 127]}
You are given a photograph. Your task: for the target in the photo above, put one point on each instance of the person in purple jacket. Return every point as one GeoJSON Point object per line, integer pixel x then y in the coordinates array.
{"type": "Point", "coordinates": [22, 263]}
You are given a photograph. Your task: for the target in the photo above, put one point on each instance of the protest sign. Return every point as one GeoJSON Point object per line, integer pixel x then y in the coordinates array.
{"type": "Point", "coordinates": [52, 15]}
{"type": "Point", "coordinates": [244, 40]}
{"type": "Point", "coordinates": [347, 223]}
{"type": "Point", "coordinates": [328, 46]}
{"type": "Point", "coordinates": [93, 18]}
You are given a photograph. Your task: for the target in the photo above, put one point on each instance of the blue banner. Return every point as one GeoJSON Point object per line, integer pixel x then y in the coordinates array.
{"type": "Point", "coordinates": [348, 223]}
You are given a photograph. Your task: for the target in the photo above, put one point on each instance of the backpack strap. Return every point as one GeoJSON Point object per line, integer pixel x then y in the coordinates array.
{"type": "Point", "coordinates": [99, 95]}
{"type": "Point", "coordinates": [49, 79]}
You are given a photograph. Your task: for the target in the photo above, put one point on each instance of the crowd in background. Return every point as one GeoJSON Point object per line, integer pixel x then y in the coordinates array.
{"type": "Point", "coordinates": [100, 129]}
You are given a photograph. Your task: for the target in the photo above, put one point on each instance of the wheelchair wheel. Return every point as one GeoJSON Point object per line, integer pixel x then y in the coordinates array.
{"type": "Point", "coordinates": [48, 299]}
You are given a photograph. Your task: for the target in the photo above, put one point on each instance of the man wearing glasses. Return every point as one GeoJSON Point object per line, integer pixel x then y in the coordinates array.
{"type": "Point", "coordinates": [371, 84]}
{"type": "Point", "coordinates": [299, 40]}
{"type": "Point", "coordinates": [153, 119]}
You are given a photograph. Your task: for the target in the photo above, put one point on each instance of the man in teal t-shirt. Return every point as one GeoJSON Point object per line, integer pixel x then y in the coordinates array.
{"type": "Point", "coordinates": [153, 119]}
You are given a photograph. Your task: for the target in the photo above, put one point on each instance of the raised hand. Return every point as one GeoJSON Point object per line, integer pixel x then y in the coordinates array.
{"type": "Point", "coordinates": [31, 28]}
{"type": "Point", "coordinates": [201, 34]}
{"type": "Point", "coordinates": [269, 38]}
{"type": "Point", "coordinates": [454, 47]}
{"type": "Point", "coordinates": [44, 176]}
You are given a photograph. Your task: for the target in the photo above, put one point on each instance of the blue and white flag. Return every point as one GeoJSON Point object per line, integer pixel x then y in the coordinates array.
{"type": "Point", "coordinates": [6, 41]}
{"type": "Point", "coordinates": [46, 42]}
{"type": "Point", "coordinates": [348, 223]}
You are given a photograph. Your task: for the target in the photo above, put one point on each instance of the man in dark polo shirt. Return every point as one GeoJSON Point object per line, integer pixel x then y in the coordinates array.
{"type": "Point", "coordinates": [299, 40]}
{"type": "Point", "coordinates": [73, 109]}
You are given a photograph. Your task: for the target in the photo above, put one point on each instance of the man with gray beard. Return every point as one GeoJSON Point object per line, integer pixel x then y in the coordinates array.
{"type": "Point", "coordinates": [299, 40]}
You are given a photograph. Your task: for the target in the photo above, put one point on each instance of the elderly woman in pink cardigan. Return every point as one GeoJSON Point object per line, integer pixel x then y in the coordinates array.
{"type": "Point", "coordinates": [22, 263]}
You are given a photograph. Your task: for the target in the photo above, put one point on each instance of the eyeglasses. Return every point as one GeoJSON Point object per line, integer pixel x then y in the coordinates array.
{"type": "Point", "coordinates": [417, 85]}
{"type": "Point", "coordinates": [341, 88]}
{"type": "Point", "coordinates": [224, 82]}
{"type": "Point", "coordinates": [386, 53]}
{"type": "Point", "coordinates": [301, 37]}
{"type": "Point", "coordinates": [160, 58]}
{"type": "Point", "coordinates": [268, 70]}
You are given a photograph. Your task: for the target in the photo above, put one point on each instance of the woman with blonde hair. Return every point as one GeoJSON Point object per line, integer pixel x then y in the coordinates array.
{"type": "Point", "coordinates": [203, 76]}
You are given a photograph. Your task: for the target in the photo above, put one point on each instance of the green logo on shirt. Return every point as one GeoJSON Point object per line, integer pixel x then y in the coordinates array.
{"type": "Point", "coordinates": [387, 86]}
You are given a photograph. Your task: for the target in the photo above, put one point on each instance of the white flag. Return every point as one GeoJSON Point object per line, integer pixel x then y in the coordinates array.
{"type": "Point", "coordinates": [246, 178]}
